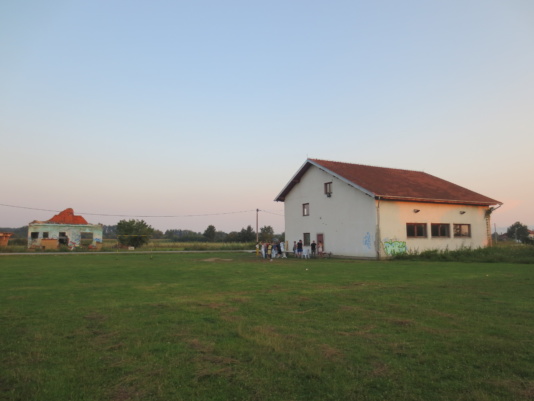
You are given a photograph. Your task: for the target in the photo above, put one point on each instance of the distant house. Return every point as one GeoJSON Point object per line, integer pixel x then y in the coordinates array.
{"type": "Point", "coordinates": [65, 229]}
{"type": "Point", "coordinates": [374, 212]}
{"type": "Point", "coordinates": [4, 238]}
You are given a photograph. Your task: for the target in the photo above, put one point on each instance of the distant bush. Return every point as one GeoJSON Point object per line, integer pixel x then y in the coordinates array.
{"type": "Point", "coordinates": [509, 253]}
{"type": "Point", "coordinates": [18, 242]}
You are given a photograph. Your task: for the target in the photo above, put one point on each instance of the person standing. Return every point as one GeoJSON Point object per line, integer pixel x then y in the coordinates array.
{"type": "Point", "coordinates": [295, 248]}
{"type": "Point", "coordinates": [299, 248]}
{"type": "Point", "coordinates": [320, 249]}
{"type": "Point", "coordinates": [313, 249]}
{"type": "Point", "coordinates": [262, 246]}
{"type": "Point", "coordinates": [269, 251]}
{"type": "Point", "coordinates": [282, 250]}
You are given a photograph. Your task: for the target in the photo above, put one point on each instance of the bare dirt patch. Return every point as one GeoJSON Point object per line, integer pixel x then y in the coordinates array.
{"type": "Point", "coordinates": [216, 260]}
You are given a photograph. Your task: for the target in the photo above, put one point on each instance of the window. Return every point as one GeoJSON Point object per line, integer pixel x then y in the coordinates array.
{"type": "Point", "coordinates": [416, 230]}
{"type": "Point", "coordinates": [462, 230]}
{"type": "Point", "coordinates": [306, 209]}
{"type": "Point", "coordinates": [86, 239]}
{"type": "Point", "coordinates": [328, 189]}
{"type": "Point", "coordinates": [440, 230]}
{"type": "Point", "coordinates": [45, 235]}
{"type": "Point", "coordinates": [63, 239]}
{"type": "Point", "coordinates": [34, 235]}
{"type": "Point", "coordinates": [306, 237]}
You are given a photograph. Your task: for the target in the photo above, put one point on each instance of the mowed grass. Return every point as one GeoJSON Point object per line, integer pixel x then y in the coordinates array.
{"type": "Point", "coordinates": [232, 327]}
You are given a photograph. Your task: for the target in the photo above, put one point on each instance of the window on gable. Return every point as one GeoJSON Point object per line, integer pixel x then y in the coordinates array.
{"type": "Point", "coordinates": [305, 209]}
{"type": "Point", "coordinates": [462, 230]}
{"type": "Point", "coordinates": [328, 189]}
{"type": "Point", "coordinates": [440, 230]}
{"type": "Point", "coordinates": [416, 230]}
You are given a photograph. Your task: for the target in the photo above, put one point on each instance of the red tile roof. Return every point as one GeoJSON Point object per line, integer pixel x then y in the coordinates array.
{"type": "Point", "coordinates": [394, 184]}
{"type": "Point", "coordinates": [67, 217]}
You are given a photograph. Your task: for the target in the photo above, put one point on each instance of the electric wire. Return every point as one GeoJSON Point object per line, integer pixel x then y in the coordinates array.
{"type": "Point", "coordinates": [145, 216]}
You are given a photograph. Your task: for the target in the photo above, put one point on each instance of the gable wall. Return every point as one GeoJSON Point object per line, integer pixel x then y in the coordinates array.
{"type": "Point", "coordinates": [347, 219]}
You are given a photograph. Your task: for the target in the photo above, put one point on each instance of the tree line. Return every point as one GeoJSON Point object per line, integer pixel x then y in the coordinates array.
{"type": "Point", "coordinates": [137, 233]}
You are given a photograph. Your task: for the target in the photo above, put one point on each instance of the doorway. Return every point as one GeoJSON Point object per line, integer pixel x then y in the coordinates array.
{"type": "Point", "coordinates": [63, 239]}
{"type": "Point", "coordinates": [320, 238]}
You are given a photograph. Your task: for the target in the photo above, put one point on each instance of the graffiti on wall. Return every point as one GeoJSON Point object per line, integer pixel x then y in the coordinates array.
{"type": "Point", "coordinates": [367, 240]}
{"type": "Point", "coordinates": [395, 247]}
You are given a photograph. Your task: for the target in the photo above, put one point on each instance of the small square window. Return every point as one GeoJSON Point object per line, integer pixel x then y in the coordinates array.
{"type": "Point", "coordinates": [416, 230]}
{"type": "Point", "coordinates": [306, 209]}
{"type": "Point", "coordinates": [34, 235]}
{"type": "Point", "coordinates": [45, 235]}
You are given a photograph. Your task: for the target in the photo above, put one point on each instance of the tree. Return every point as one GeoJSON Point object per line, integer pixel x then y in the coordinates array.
{"type": "Point", "coordinates": [210, 233]}
{"type": "Point", "coordinates": [518, 232]}
{"type": "Point", "coordinates": [220, 236]}
{"type": "Point", "coordinates": [247, 235]}
{"type": "Point", "coordinates": [266, 233]}
{"type": "Point", "coordinates": [158, 234]}
{"type": "Point", "coordinates": [109, 232]}
{"type": "Point", "coordinates": [134, 232]}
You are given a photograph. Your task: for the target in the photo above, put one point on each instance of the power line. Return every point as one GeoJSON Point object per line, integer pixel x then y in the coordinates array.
{"type": "Point", "coordinates": [143, 216]}
{"type": "Point", "coordinates": [267, 211]}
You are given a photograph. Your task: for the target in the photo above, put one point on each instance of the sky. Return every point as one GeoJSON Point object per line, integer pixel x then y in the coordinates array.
{"type": "Point", "coordinates": [194, 113]}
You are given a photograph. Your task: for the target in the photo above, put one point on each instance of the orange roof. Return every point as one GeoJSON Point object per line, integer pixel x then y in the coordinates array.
{"type": "Point", "coordinates": [67, 217]}
{"type": "Point", "coordinates": [393, 184]}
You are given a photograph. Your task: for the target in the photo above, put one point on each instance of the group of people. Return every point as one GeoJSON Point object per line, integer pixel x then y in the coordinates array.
{"type": "Point", "coordinates": [312, 252]}
{"type": "Point", "coordinates": [273, 250]}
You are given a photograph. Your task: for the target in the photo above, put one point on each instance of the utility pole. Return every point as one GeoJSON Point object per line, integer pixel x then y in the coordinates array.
{"type": "Point", "coordinates": [257, 233]}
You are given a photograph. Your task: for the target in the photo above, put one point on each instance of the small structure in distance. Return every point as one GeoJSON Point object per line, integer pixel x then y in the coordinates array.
{"type": "Point", "coordinates": [4, 238]}
{"type": "Point", "coordinates": [65, 229]}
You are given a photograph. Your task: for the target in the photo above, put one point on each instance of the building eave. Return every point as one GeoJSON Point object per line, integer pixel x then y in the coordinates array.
{"type": "Point", "coordinates": [430, 200]}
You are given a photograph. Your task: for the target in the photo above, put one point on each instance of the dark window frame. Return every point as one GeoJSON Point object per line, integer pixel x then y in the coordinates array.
{"type": "Point", "coordinates": [306, 239]}
{"type": "Point", "coordinates": [440, 230]}
{"type": "Point", "coordinates": [416, 230]}
{"type": "Point", "coordinates": [305, 209]}
{"type": "Point", "coordinates": [34, 235]}
{"type": "Point", "coordinates": [457, 229]}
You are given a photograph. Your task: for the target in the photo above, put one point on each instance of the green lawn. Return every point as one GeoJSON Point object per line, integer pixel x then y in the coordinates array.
{"type": "Point", "coordinates": [231, 327]}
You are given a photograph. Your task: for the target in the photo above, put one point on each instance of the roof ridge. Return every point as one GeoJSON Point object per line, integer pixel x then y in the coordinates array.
{"type": "Point", "coordinates": [368, 165]}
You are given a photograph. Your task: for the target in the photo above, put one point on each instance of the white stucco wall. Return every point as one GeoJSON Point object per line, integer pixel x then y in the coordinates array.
{"type": "Point", "coordinates": [347, 219]}
{"type": "Point", "coordinates": [73, 231]}
{"type": "Point", "coordinates": [395, 215]}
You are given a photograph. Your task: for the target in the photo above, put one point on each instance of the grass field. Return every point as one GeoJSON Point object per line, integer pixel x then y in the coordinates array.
{"type": "Point", "coordinates": [231, 327]}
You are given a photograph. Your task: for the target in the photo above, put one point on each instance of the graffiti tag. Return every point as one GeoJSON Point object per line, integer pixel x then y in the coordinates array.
{"type": "Point", "coordinates": [395, 247]}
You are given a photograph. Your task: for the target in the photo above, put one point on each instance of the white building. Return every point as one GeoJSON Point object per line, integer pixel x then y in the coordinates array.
{"type": "Point", "coordinates": [374, 212]}
{"type": "Point", "coordinates": [66, 229]}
